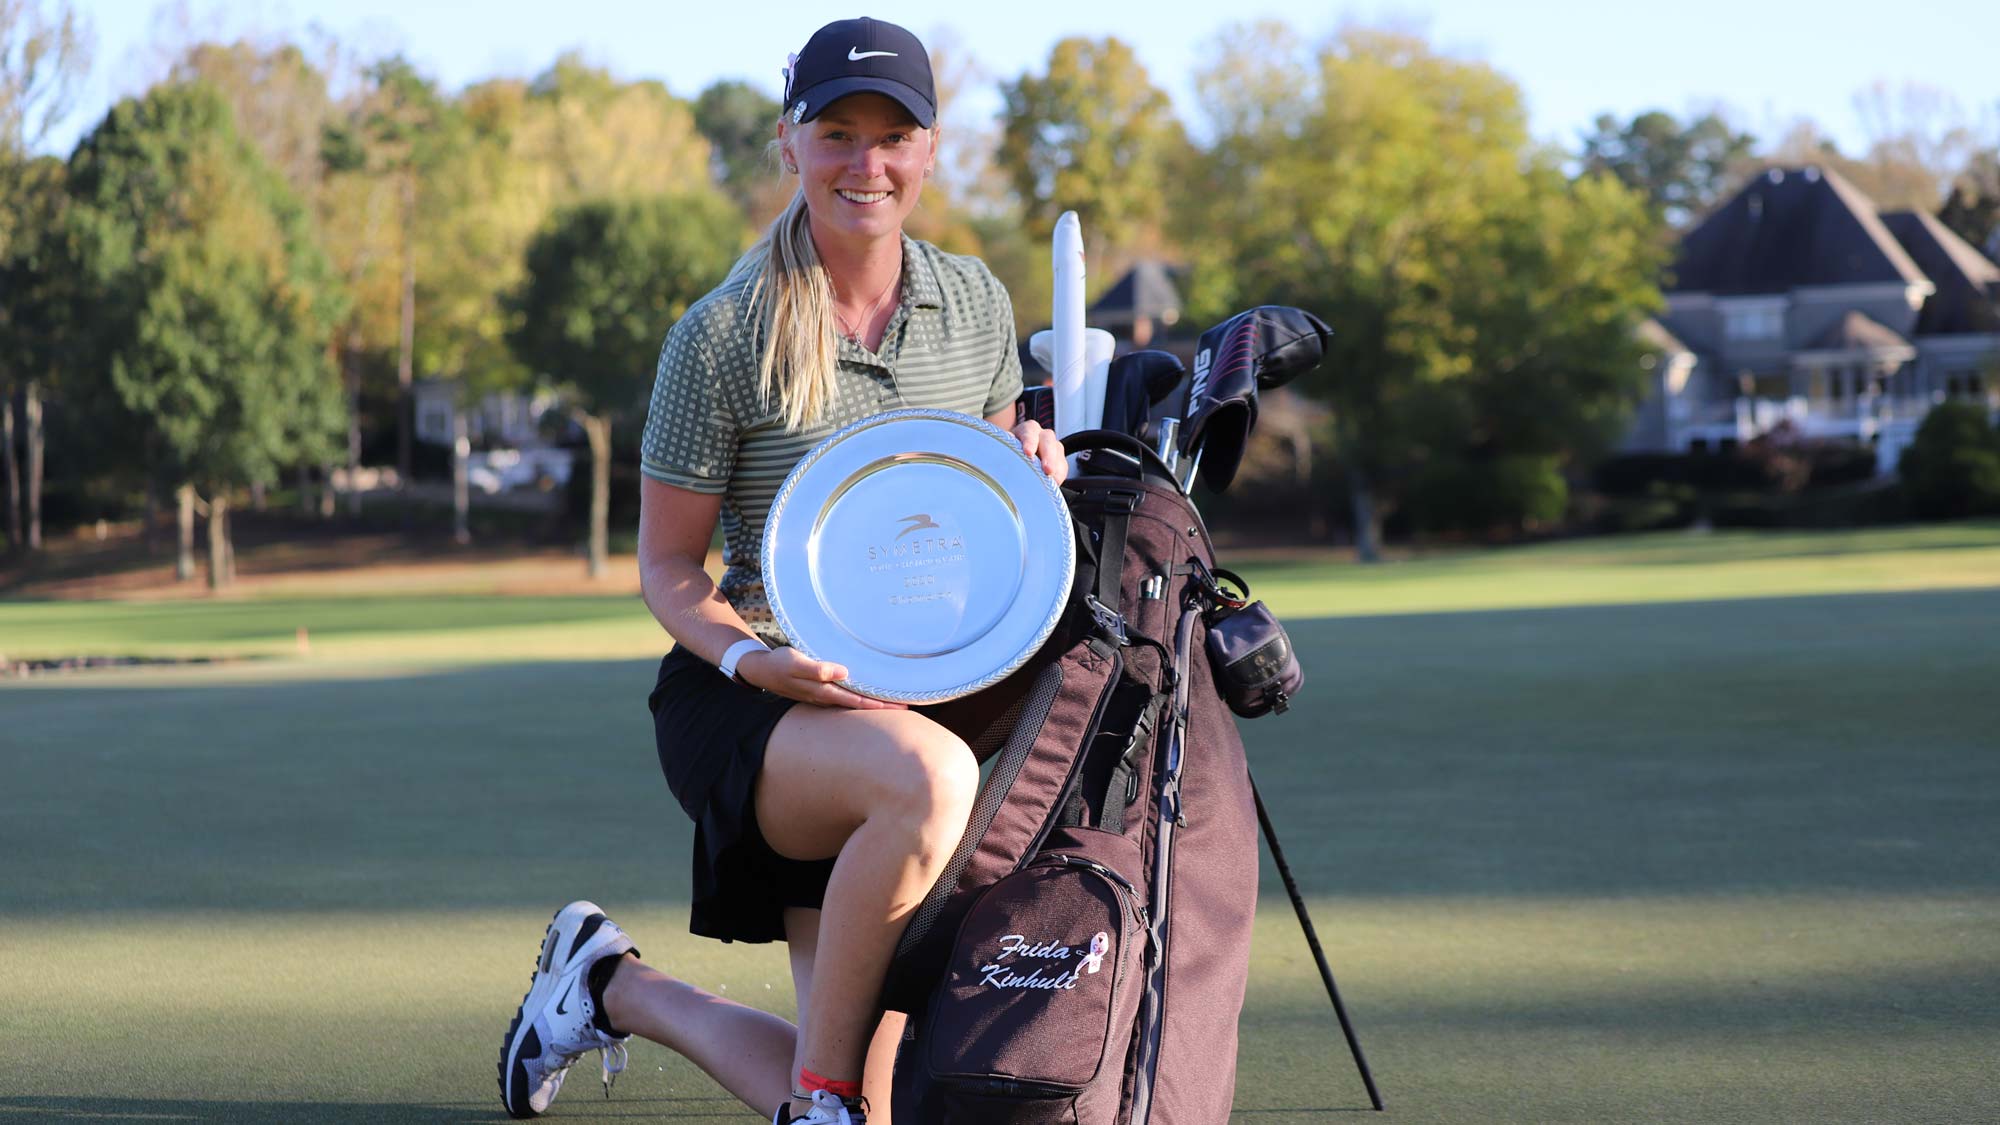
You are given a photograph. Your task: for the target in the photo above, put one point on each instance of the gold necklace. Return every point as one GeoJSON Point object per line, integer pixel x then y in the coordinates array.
{"type": "Point", "coordinates": [874, 307]}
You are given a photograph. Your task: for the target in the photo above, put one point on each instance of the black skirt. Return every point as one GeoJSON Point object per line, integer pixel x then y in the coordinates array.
{"type": "Point", "coordinates": [711, 733]}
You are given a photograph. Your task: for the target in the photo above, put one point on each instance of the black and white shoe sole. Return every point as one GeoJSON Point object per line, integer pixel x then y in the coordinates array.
{"type": "Point", "coordinates": [571, 927]}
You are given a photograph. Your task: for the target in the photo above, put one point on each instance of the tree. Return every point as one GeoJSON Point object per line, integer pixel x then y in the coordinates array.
{"type": "Point", "coordinates": [33, 333]}
{"type": "Point", "coordinates": [1972, 209]}
{"type": "Point", "coordinates": [1918, 144]}
{"type": "Point", "coordinates": [210, 306]}
{"type": "Point", "coordinates": [604, 281]}
{"type": "Point", "coordinates": [358, 161]}
{"type": "Point", "coordinates": [1683, 170]}
{"type": "Point", "coordinates": [739, 121]}
{"type": "Point", "coordinates": [280, 100]}
{"type": "Point", "coordinates": [360, 196]}
{"type": "Point", "coordinates": [1092, 134]}
{"type": "Point", "coordinates": [584, 134]}
{"type": "Point", "coordinates": [1483, 306]}
{"type": "Point", "coordinates": [44, 58]}
{"type": "Point", "coordinates": [277, 97]}
{"type": "Point", "coordinates": [949, 214]}
{"type": "Point", "coordinates": [1020, 261]}
{"type": "Point", "coordinates": [1952, 467]}
{"type": "Point", "coordinates": [575, 133]}
{"type": "Point", "coordinates": [405, 133]}
{"type": "Point", "coordinates": [968, 141]}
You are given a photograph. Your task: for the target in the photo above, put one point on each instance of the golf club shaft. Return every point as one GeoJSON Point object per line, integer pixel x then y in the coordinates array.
{"type": "Point", "coordinates": [1312, 941]}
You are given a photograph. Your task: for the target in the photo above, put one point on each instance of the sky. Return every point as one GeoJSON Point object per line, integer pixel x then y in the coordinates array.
{"type": "Point", "coordinates": [1766, 62]}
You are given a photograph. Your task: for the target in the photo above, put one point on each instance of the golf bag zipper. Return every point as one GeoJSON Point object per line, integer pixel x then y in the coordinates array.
{"type": "Point", "coordinates": [1153, 1014]}
{"type": "Point", "coordinates": [1013, 1088]}
{"type": "Point", "coordinates": [1126, 891]}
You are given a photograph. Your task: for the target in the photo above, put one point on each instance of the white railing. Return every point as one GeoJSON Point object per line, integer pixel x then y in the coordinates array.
{"type": "Point", "coordinates": [1757, 415]}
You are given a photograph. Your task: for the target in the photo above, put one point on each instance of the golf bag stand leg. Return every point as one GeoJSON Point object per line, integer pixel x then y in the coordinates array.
{"type": "Point", "coordinates": [1312, 940]}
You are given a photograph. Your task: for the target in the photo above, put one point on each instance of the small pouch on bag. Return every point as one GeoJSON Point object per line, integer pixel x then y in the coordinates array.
{"type": "Point", "coordinates": [1035, 1015]}
{"type": "Point", "coordinates": [1255, 668]}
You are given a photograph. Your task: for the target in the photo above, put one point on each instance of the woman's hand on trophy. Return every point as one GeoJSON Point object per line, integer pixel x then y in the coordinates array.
{"type": "Point", "coordinates": [794, 675]}
{"type": "Point", "coordinates": [1043, 446]}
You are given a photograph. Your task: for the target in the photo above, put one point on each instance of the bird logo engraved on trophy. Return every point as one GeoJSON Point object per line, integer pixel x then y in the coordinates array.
{"type": "Point", "coordinates": [919, 522]}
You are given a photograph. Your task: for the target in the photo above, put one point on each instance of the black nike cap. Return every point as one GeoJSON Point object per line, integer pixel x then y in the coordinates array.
{"type": "Point", "coordinates": [860, 56]}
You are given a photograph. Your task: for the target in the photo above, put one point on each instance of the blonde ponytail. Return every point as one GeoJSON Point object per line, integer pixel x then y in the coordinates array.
{"type": "Point", "coordinates": [790, 307]}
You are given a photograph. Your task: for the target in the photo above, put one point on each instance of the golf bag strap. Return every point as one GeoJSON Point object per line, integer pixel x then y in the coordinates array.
{"type": "Point", "coordinates": [1123, 788]}
{"type": "Point", "coordinates": [1118, 509]}
{"type": "Point", "coordinates": [1208, 585]}
{"type": "Point", "coordinates": [1234, 579]}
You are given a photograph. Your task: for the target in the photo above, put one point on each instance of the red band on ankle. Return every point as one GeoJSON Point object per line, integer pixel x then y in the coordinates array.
{"type": "Point", "coordinates": [808, 1081]}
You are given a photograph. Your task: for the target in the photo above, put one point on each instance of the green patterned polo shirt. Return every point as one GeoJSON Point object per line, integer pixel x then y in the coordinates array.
{"type": "Point", "coordinates": [949, 346]}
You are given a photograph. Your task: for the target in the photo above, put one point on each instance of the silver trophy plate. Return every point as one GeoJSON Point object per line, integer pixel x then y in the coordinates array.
{"type": "Point", "coordinates": [922, 550]}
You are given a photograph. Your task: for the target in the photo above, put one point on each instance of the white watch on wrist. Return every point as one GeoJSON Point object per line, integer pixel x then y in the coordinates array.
{"type": "Point", "coordinates": [735, 655]}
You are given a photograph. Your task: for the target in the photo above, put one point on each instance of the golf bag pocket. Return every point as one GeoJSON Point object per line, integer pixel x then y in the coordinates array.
{"type": "Point", "coordinates": [1255, 668]}
{"type": "Point", "coordinates": [1034, 1019]}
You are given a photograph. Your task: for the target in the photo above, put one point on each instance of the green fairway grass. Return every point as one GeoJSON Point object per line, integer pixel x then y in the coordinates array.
{"type": "Point", "coordinates": [1629, 858]}
{"type": "Point", "coordinates": [366, 625]}
{"type": "Point", "coordinates": [429, 628]}
{"type": "Point", "coordinates": [1659, 567]}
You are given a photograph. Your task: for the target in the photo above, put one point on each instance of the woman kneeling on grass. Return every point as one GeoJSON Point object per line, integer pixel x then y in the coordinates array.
{"type": "Point", "coordinates": [822, 817]}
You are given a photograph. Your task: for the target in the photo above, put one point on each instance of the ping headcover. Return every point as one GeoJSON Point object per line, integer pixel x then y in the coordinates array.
{"type": "Point", "coordinates": [1259, 348]}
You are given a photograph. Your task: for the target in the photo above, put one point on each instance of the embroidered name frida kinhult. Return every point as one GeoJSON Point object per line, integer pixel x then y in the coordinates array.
{"type": "Point", "coordinates": [999, 975]}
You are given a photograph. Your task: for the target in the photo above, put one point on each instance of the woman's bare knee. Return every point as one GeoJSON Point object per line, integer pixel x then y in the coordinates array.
{"type": "Point", "coordinates": [935, 778]}
{"type": "Point", "coordinates": [827, 773]}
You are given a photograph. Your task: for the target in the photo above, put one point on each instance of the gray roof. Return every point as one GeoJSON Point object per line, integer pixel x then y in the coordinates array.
{"type": "Point", "coordinates": [1856, 332]}
{"type": "Point", "coordinates": [1791, 227]}
{"type": "Point", "coordinates": [1968, 283]}
{"type": "Point", "coordinates": [1147, 290]}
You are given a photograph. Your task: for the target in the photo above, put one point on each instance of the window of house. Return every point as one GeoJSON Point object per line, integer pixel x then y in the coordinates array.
{"type": "Point", "coordinates": [1760, 320]}
{"type": "Point", "coordinates": [437, 420]}
{"type": "Point", "coordinates": [1966, 383]}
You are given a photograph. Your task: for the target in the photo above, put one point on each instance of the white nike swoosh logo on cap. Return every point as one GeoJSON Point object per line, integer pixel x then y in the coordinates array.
{"type": "Point", "coordinates": [856, 54]}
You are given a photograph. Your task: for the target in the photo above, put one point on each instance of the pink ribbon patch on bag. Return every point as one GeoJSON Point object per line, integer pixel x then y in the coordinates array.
{"type": "Point", "coordinates": [1099, 946]}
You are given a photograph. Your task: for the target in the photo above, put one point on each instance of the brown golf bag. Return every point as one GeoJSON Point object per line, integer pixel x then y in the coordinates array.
{"type": "Point", "coordinates": [1083, 958]}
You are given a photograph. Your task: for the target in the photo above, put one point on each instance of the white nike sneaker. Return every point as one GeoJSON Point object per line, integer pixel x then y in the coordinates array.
{"type": "Point", "coordinates": [827, 1109]}
{"type": "Point", "coordinates": [553, 1027]}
